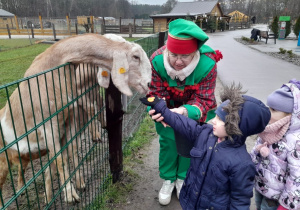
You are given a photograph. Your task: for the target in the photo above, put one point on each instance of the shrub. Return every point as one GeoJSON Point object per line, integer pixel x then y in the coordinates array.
{"type": "Point", "coordinates": [211, 24]}
{"type": "Point", "coordinates": [282, 51]}
{"type": "Point", "coordinates": [290, 52]}
{"type": "Point", "coordinates": [297, 27]}
{"type": "Point", "coordinates": [245, 39]}
{"type": "Point", "coordinates": [274, 26]}
{"type": "Point", "coordinates": [221, 25]}
{"type": "Point", "coordinates": [287, 28]}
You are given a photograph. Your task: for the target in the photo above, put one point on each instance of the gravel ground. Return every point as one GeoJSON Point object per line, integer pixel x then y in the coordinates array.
{"type": "Point", "coordinates": [295, 59]}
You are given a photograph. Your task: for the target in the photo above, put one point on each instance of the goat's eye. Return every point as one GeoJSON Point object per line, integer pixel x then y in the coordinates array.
{"type": "Point", "coordinates": [136, 57]}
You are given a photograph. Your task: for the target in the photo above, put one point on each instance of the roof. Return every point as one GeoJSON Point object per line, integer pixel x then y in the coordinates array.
{"type": "Point", "coordinates": [181, 9]}
{"type": "Point", "coordinates": [4, 13]}
{"type": "Point", "coordinates": [237, 14]}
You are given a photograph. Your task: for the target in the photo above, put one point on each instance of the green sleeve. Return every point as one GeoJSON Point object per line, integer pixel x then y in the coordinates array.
{"type": "Point", "coordinates": [193, 112]}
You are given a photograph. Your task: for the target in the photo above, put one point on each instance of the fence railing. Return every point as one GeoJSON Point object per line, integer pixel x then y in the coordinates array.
{"type": "Point", "coordinates": [53, 151]}
{"type": "Point", "coordinates": [68, 26]}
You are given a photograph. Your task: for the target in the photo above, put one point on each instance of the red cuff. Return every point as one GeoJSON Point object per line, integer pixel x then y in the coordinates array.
{"type": "Point", "coordinates": [280, 207]}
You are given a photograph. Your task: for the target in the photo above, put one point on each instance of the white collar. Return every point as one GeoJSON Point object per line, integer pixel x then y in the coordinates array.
{"type": "Point", "coordinates": [183, 73]}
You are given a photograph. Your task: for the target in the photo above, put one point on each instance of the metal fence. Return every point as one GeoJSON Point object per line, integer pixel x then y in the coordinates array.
{"type": "Point", "coordinates": [56, 153]}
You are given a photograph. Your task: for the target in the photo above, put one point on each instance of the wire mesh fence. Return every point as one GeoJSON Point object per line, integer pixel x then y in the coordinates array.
{"type": "Point", "coordinates": [53, 139]}
{"type": "Point", "coordinates": [50, 133]}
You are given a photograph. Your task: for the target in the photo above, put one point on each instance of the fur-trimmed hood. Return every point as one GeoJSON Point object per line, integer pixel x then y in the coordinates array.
{"type": "Point", "coordinates": [246, 115]}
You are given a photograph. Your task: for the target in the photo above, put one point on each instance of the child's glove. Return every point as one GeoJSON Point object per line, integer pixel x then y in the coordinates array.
{"type": "Point", "coordinates": [150, 101]}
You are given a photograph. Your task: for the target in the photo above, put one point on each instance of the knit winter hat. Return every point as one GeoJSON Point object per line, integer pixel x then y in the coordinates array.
{"type": "Point", "coordinates": [282, 100]}
{"type": "Point", "coordinates": [185, 37]}
{"type": "Point", "coordinates": [221, 112]}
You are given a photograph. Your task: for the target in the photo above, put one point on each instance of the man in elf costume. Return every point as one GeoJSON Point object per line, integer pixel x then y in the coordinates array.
{"type": "Point", "coordinates": [184, 72]}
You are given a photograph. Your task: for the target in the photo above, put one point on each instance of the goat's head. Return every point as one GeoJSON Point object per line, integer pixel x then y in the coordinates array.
{"type": "Point", "coordinates": [131, 68]}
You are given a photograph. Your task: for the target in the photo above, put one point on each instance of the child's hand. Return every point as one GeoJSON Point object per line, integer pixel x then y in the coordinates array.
{"type": "Point", "coordinates": [157, 117]}
{"type": "Point", "coordinates": [150, 101]}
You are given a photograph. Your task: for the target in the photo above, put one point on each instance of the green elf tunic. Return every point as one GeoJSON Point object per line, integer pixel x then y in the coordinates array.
{"type": "Point", "coordinates": [171, 165]}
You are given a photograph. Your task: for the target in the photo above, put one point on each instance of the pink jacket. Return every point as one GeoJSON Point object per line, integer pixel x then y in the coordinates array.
{"type": "Point", "coordinates": [278, 174]}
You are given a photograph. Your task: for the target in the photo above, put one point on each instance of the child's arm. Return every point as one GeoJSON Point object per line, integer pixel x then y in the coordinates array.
{"type": "Point", "coordinates": [291, 191]}
{"type": "Point", "coordinates": [188, 128]}
{"type": "Point", "coordinates": [255, 150]}
{"type": "Point", "coordinates": [242, 183]}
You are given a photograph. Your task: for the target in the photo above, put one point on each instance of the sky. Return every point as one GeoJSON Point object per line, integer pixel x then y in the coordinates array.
{"type": "Point", "coordinates": [156, 2]}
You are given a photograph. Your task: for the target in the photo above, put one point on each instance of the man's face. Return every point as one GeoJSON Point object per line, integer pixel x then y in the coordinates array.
{"type": "Point", "coordinates": [180, 61]}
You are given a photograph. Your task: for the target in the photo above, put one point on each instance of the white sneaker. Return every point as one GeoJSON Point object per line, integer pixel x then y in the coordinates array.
{"type": "Point", "coordinates": [179, 183]}
{"type": "Point", "coordinates": [165, 193]}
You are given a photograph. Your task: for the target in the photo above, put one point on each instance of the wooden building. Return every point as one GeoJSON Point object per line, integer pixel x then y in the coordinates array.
{"type": "Point", "coordinates": [196, 10]}
{"type": "Point", "coordinates": [237, 16]}
{"type": "Point", "coordinates": [7, 18]}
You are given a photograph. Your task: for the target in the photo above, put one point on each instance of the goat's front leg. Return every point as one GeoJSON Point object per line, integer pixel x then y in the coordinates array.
{"type": "Point", "coordinates": [21, 172]}
{"type": "Point", "coordinates": [73, 152]}
{"type": "Point", "coordinates": [79, 176]}
{"type": "Point", "coordinates": [25, 158]}
{"type": "Point", "coordinates": [48, 182]}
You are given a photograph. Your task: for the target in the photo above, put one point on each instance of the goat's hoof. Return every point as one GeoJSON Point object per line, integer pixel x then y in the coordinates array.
{"type": "Point", "coordinates": [71, 196]}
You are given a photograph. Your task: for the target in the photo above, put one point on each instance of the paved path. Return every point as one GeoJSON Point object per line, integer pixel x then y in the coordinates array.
{"type": "Point", "coordinates": [259, 73]}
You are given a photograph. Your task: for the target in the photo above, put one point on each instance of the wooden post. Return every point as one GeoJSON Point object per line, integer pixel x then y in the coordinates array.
{"type": "Point", "coordinates": [153, 30]}
{"type": "Point", "coordinates": [103, 26]}
{"type": "Point", "coordinates": [161, 39]}
{"type": "Point", "coordinates": [8, 31]}
{"type": "Point", "coordinates": [114, 118]}
{"type": "Point", "coordinates": [54, 33]}
{"type": "Point", "coordinates": [41, 23]}
{"type": "Point", "coordinates": [32, 33]}
{"type": "Point", "coordinates": [134, 29]}
{"type": "Point", "coordinates": [76, 28]}
{"type": "Point", "coordinates": [130, 30]}
{"type": "Point", "coordinates": [17, 24]}
{"type": "Point", "coordinates": [120, 25]}
{"type": "Point", "coordinates": [92, 22]}
{"type": "Point", "coordinates": [68, 24]}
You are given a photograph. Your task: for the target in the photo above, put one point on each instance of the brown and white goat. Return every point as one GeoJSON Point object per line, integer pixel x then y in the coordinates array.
{"type": "Point", "coordinates": [41, 98]}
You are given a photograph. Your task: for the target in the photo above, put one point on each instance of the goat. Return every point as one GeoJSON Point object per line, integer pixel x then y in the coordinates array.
{"type": "Point", "coordinates": [125, 62]}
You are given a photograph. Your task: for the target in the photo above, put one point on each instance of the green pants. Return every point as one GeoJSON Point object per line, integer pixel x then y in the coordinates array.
{"type": "Point", "coordinates": [171, 165]}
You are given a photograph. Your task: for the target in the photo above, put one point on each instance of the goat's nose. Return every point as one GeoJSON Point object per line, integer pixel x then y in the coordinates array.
{"type": "Point", "coordinates": [148, 84]}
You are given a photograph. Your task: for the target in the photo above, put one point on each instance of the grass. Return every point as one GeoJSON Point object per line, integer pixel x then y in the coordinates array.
{"type": "Point", "coordinates": [6, 44]}
{"type": "Point", "coordinates": [14, 62]}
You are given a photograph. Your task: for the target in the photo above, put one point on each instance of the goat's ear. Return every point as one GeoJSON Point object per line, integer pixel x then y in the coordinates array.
{"type": "Point", "coordinates": [103, 76]}
{"type": "Point", "coordinates": [119, 72]}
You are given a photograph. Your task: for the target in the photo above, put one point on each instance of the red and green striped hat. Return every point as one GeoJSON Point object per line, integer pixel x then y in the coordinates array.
{"type": "Point", "coordinates": [185, 37]}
